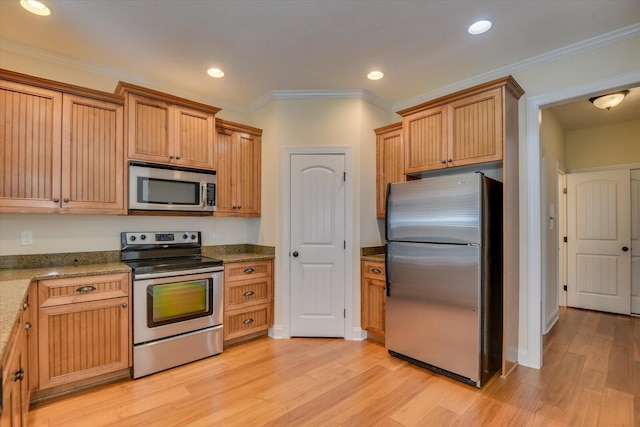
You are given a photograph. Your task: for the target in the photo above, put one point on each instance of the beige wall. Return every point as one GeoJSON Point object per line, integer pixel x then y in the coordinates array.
{"type": "Point", "coordinates": [604, 146]}
{"type": "Point", "coordinates": [552, 142]}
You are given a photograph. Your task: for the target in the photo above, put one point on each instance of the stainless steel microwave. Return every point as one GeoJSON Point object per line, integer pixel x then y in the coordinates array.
{"type": "Point", "coordinates": [171, 188]}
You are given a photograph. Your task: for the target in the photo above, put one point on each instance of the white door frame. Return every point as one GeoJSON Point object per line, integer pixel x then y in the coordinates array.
{"type": "Point", "coordinates": [284, 330]}
{"type": "Point", "coordinates": [530, 351]}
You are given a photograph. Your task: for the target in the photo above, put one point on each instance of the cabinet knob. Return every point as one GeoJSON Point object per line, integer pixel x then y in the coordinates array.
{"type": "Point", "coordinates": [27, 326]}
{"type": "Point", "coordinates": [444, 162]}
{"type": "Point", "coordinates": [66, 200]}
{"type": "Point", "coordinates": [18, 375]}
{"type": "Point", "coordinates": [25, 305]}
{"type": "Point", "coordinates": [56, 200]}
{"type": "Point", "coordinates": [450, 160]}
{"type": "Point", "coordinates": [177, 157]}
{"type": "Point", "coordinates": [125, 305]}
{"type": "Point", "coordinates": [239, 207]}
{"type": "Point", "coordinates": [171, 157]}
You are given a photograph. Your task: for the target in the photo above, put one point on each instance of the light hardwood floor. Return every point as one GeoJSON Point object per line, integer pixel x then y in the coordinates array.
{"type": "Point", "coordinates": [591, 377]}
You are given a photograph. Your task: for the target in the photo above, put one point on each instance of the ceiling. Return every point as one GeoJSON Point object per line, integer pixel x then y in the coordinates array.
{"type": "Point", "coordinates": [268, 45]}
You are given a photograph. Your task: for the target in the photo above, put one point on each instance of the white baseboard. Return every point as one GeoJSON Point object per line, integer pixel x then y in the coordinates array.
{"type": "Point", "coordinates": [358, 334]}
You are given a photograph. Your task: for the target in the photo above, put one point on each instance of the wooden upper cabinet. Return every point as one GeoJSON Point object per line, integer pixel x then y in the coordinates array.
{"type": "Point", "coordinates": [237, 160]}
{"type": "Point", "coordinates": [463, 128]}
{"type": "Point", "coordinates": [163, 128]}
{"type": "Point", "coordinates": [62, 147]}
{"type": "Point", "coordinates": [389, 162]}
{"type": "Point", "coordinates": [93, 155]}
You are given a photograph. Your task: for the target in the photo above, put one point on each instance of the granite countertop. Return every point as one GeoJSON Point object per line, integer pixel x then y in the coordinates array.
{"type": "Point", "coordinates": [227, 258]}
{"type": "Point", "coordinates": [15, 283]}
{"type": "Point", "coordinates": [375, 258]}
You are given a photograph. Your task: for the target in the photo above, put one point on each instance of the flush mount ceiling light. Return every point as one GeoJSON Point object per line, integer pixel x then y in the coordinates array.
{"type": "Point", "coordinates": [35, 7]}
{"type": "Point", "coordinates": [375, 75]}
{"type": "Point", "coordinates": [479, 27]}
{"type": "Point", "coordinates": [215, 72]}
{"type": "Point", "coordinates": [610, 100]}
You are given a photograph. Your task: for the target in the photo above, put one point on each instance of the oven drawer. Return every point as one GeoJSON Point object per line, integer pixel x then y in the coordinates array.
{"type": "Point", "coordinates": [243, 293]}
{"type": "Point", "coordinates": [244, 270]}
{"type": "Point", "coordinates": [238, 323]}
{"type": "Point", "coordinates": [52, 292]}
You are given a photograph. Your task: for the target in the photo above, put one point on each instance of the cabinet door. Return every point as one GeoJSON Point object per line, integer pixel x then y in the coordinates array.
{"type": "Point", "coordinates": [193, 138]}
{"type": "Point", "coordinates": [223, 163]}
{"type": "Point", "coordinates": [83, 340]}
{"type": "Point", "coordinates": [149, 129]}
{"type": "Point", "coordinates": [476, 129]}
{"type": "Point", "coordinates": [247, 150]}
{"type": "Point", "coordinates": [373, 303]}
{"type": "Point", "coordinates": [93, 155]}
{"type": "Point", "coordinates": [30, 147]}
{"type": "Point", "coordinates": [425, 140]}
{"type": "Point", "coordinates": [389, 165]}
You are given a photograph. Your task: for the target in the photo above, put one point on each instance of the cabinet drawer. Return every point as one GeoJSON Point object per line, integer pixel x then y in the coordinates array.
{"type": "Point", "coordinates": [373, 270]}
{"type": "Point", "coordinates": [246, 321]}
{"type": "Point", "coordinates": [245, 270]}
{"type": "Point", "coordinates": [82, 289]}
{"type": "Point", "coordinates": [244, 293]}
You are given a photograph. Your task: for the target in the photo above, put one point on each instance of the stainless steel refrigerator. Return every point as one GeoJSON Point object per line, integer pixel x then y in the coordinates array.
{"type": "Point", "coordinates": [444, 275]}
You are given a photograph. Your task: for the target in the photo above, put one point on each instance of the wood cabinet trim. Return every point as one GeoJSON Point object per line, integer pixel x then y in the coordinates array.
{"type": "Point", "coordinates": [124, 88]}
{"type": "Point", "coordinates": [60, 87]}
{"type": "Point", "coordinates": [507, 82]}
{"type": "Point", "coordinates": [228, 127]}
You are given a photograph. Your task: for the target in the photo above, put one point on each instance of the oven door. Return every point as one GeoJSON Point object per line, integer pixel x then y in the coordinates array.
{"type": "Point", "coordinates": [169, 306]}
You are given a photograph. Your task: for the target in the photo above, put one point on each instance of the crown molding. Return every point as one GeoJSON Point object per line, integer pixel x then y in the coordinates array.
{"type": "Point", "coordinates": [277, 95]}
{"type": "Point", "coordinates": [554, 55]}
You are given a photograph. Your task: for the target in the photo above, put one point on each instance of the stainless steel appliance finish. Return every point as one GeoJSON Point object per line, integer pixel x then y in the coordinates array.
{"type": "Point", "coordinates": [177, 300]}
{"type": "Point", "coordinates": [444, 275]}
{"type": "Point", "coordinates": [171, 188]}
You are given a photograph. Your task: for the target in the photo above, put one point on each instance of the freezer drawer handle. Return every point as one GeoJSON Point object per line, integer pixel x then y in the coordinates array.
{"type": "Point", "coordinates": [85, 289]}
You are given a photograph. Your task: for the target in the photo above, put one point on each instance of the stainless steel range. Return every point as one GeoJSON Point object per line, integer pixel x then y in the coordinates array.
{"type": "Point", "coordinates": [177, 299]}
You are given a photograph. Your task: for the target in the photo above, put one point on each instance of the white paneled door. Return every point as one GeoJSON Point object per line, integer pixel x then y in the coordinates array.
{"type": "Point", "coordinates": [599, 241]}
{"type": "Point", "coordinates": [317, 245]}
{"type": "Point", "coordinates": [635, 241]}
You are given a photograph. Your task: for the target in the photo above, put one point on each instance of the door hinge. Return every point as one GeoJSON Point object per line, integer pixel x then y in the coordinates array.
{"type": "Point", "coordinates": [344, 244]}
{"type": "Point", "coordinates": [565, 239]}
{"type": "Point", "coordinates": [345, 313]}
{"type": "Point", "coordinates": [344, 176]}
{"type": "Point", "coordinates": [564, 190]}
{"type": "Point", "coordinates": [564, 287]}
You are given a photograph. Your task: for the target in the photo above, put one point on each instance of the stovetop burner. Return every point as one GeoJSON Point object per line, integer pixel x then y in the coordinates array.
{"type": "Point", "coordinates": [171, 264]}
{"type": "Point", "coordinates": [162, 251]}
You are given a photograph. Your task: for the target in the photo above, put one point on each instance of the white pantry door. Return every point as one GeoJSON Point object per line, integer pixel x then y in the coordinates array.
{"type": "Point", "coordinates": [635, 241]}
{"type": "Point", "coordinates": [599, 241]}
{"type": "Point", "coordinates": [317, 245]}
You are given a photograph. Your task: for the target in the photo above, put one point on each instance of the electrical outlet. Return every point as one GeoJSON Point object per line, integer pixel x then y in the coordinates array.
{"type": "Point", "coordinates": [26, 238]}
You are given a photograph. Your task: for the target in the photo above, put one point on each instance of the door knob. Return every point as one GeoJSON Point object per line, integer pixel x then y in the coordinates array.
{"type": "Point", "coordinates": [295, 254]}
{"type": "Point", "coordinates": [625, 249]}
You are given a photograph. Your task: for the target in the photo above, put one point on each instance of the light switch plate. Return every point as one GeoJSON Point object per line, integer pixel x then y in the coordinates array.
{"type": "Point", "coordinates": [26, 238]}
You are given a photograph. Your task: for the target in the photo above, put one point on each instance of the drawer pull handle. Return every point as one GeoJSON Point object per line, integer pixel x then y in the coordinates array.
{"type": "Point", "coordinates": [27, 326]}
{"type": "Point", "coordinates": [376, 270]}
{"type": "Point", "coordinates": [85, 289]}
{"type": "Point", "coordinates": [249, 270]}
{"type": "Point", "coordinates": [247, 321]}
{"type": "Point", "coordinates": [248, 293]}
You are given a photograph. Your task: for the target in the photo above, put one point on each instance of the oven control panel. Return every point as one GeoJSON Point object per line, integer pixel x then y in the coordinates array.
{"type": "Point", "coordinates": [161, 237]}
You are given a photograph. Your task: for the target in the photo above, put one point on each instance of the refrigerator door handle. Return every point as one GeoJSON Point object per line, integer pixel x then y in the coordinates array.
{"type": "Point", "coordinates": [387, 272]}
{"type": "Point", "coordinates": [386, 213]}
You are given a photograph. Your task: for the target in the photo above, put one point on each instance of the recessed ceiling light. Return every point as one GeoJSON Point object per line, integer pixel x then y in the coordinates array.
{"type": "Point", "coordinates": [35, 7]}
{"type": "Point", "coordinates": [375, 75]}
{"type": "Point", "coordinates": [215, 72]}
{"type": "Point", "coordinates": [479, 27]}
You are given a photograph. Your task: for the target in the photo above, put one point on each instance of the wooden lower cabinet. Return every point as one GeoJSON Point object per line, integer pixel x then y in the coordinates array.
{"type": "Point", "coordinates": [248, 299]}
{"type": "Point", "coordinates": [16, 373]}
{"type": "Point", "coordinates": [373, 298]}
{"type": "Point", "coordinates": [83, 328]}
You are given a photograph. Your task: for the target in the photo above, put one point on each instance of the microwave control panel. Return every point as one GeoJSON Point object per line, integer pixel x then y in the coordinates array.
{"type": "Point", "coordinates": [211, 195]}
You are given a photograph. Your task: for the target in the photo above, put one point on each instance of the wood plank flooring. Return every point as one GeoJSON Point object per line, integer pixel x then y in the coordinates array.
{"type": "Point", "coordinates": [591, 377]}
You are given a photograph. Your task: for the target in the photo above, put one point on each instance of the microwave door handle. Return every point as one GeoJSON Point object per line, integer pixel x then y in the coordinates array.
{"type": "Point", "coordinates": [203, 191]}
